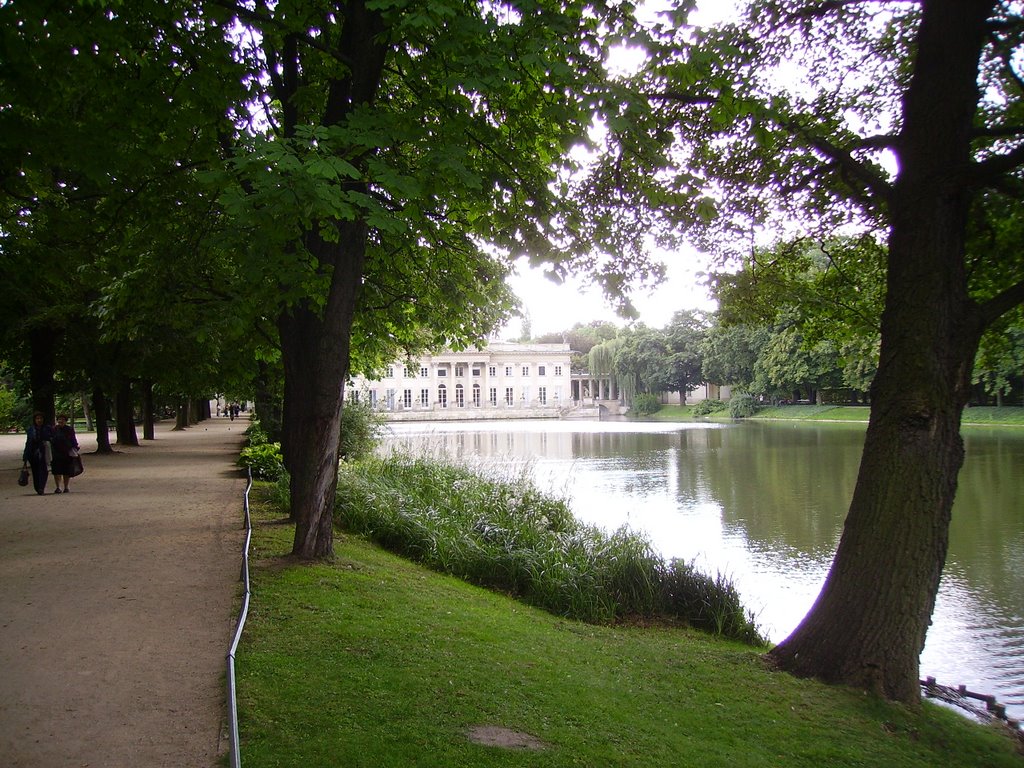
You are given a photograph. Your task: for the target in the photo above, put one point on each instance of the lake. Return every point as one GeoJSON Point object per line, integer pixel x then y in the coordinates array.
{"type": "Point", "coordinates": [764, 503]}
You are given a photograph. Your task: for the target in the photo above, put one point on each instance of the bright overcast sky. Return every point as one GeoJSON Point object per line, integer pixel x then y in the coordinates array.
{"type": "Point", "coordinates": [554, 307]}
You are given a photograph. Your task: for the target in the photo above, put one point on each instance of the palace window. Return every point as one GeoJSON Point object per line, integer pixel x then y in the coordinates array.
{"type": "Point", "coordinates": [509, 396]}
{"type": "Point", "coordinates": [492, 370]}
{"type": "Point", "coordinates": [424, 397]}
{"type": "Point", "coordinates": [526, 370]}
{"type": "Point", "coordinates": [410, 372]}
{"type": "Point", "coordinates": [391, 372]}
{"type": "Point", "coordinates": [407, 398]}
{"type": "Point", "coordinates": [460, 370]}
{"type": "Point", "coordinates": [541, 370]}
{"type": "Point", "coordinates": [442, 395]}
{"type": "Point", "coordinates": [460, 396]}
{"type": "Point", "coordinates": [508, 370]}
{"type": "Point", "coordinates": [542, 395]}
{"type": "Point", "coordinates": [476, 395]}
{"type": "Point", "coordinates": [424, 371]}
{"type": "Point", "coordinates": [558, 370]}
{"type": "Point", "coordinates": [476, 373]}
{"type": "Point", "coordinates": [493, 395]}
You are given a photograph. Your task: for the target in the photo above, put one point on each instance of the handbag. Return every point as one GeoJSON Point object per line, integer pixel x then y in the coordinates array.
{"type": "Point", "coordinates": [76, 466]}
{"type": "Point", "coordinates": [23, 477]}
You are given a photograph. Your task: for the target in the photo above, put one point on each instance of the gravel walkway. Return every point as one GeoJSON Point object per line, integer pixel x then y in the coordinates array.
{"type": "Point", "coordinates": [117, 603]}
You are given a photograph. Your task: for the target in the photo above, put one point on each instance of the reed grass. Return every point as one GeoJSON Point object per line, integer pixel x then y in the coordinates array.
{"type": "Point", "coordinates": [505, 534]}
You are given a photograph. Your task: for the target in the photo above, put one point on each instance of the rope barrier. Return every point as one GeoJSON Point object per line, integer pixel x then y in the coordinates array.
{"type": "Point", "coordinates": [234, 748]}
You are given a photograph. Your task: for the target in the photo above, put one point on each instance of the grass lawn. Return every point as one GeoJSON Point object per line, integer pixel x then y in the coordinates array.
{"type": "Point", "coordinates": [988, 415]}
{"type": "Point", "coordinates": [374, 661]}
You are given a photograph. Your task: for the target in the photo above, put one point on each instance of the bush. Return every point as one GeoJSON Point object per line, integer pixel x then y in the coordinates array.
{"type": "Point", "coordinates": [742, 406]}
{"type": "Point", "coordinates": [264, 460]}
{"type": "Point", "coordinates": [707, 407]}
{"type": "Point", "coordinates": [505, 534]}
{"type": "Point", "coordinates": [360, 431]}
{"type": "Point", "coordinates": [255, 434]}
{"type": "Point", "coordinates": [645, 405]}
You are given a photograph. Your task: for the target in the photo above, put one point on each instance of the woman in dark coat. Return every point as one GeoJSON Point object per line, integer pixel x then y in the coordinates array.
{"type": "Point", "coordinates": [65, 446]}
{"type": "Point", "coordinates": [37, 446]}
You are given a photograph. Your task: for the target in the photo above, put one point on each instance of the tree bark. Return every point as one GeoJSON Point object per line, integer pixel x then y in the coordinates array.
{"type": "Point", "coordinates": [124, 414]}
{"type": "Point", "coordinates": [868, 625]}
{"type": "Point", "coordinates": [148, 417]}
{"type": "Point", "coordinates": [315, 337]}
{"type": "Point", "coordinates": [315, 352]}
{"type": "Point", "coordinates": [181, 415]}
{"type": "Point", "coordinates": [102, 418]}
{"type": "Point", "coordinates": [41, 369]}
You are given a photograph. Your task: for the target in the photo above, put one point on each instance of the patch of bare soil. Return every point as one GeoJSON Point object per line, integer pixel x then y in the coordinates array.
{"type": "Point", "coordinates": [506, 738]}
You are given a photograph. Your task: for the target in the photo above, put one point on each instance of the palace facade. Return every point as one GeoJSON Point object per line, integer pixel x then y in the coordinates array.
{"type": "Point", "coordinates": [502, 380]}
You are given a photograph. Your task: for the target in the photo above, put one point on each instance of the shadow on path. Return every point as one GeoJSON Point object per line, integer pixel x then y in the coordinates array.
{"type": "Point", "coordinates": [116, 603]}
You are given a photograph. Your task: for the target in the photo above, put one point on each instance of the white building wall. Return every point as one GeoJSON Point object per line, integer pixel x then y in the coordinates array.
{"type": "Point", "coordinates": [534, 377]}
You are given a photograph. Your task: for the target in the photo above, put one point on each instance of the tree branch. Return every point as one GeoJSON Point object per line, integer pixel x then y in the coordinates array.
{"type": "Point", "coordinates": [994, 308]}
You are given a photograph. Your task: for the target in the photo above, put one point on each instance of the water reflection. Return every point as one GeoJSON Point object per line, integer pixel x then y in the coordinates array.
{"type": "Point", "coordinates": [764, 503]}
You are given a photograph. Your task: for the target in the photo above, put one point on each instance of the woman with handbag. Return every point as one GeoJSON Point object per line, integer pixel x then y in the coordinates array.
{"type": "Point", "coordinates": [37, 450]}
{"type": "Point", "coordinates": [65, 453]}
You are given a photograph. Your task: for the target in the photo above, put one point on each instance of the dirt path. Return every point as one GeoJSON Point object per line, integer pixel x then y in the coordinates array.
{"type": "Point", "coordinates": [116, 603]}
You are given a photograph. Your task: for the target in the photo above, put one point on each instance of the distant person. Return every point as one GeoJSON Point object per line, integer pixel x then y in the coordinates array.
{"type": "Point", "coordinates": [38, 451]}
{"type": "Point", "coordinates": [65, 450]}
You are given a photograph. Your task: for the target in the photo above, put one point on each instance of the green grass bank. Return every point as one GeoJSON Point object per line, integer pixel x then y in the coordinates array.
{"type": "Point", "coordinates": [372, 660]}
{"type": "Point", "coordinates": [980, 415]}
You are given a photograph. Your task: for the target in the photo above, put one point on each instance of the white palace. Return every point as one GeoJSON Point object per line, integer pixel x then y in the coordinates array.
{"type": "Point", "coordinates": [502, 380]}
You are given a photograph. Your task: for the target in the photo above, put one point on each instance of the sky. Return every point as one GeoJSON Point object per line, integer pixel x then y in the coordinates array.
{"type": "Point", "coordinates": [554, 307]}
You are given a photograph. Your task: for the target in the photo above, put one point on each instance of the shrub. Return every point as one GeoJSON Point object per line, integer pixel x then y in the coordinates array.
{"type": "Point", "coordinates": [255, 434]}
{"type": "Point", "coordinates": [264, 460]}
{"type": "Point", "coordinates": [742, 406]}
{"type": "Point", "coordinates": [360, 430]}
{"type": "Point", "coordinates": [645, 405]}
{"type": "Point", "coordinates": [707, 407]}
{"type": "Point", "coordinates": [712, 604]}
{"type": "Point", "coordinates": [505, 534]}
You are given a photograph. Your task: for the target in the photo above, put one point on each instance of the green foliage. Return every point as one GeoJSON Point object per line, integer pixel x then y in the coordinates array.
{"type": "Point", "coordinates": [742, 405]}
{"type": "Point", "coordinates": [709, 603]}
{"type": "Point", "coordinates": [264, 460]}
{"type": "Point", "coordinates": [707, 407]}
{"type": "Point", "coordinates": [14, 411]}
{"type": "Point", "coordinates": [262, 456]}
{"type": "Point", "coordinates": [360, 431]}
{"type": "Point", "coordinates": [255, 434]}
{"type": "Point", "coordinates": [507, 535]}
{"type": "Point", "coordinates": [645, 405]}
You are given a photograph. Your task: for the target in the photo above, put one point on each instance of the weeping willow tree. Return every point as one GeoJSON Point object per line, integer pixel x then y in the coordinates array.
{"type": "Point", "coordinates": [602, 362]}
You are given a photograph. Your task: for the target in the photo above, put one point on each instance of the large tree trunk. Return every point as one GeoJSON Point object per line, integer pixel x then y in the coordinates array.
{"type": "Point", "coordinates": [41, 368]}
{"type": "Point", "coordinates": [148, 417]}
{"type": "Point", "coordinates": [268, 406]}
{"type": "Point", "coordinates": [868, 625]}
{"type": "Point", "coordinates": [315, 352]}
{"type": "Point", "coordinates": [102, 416]}
{"type": "Point", "coordinates": [125, 414]}
{"type": "Point", "coordinates": [315, 337]}
{"type": "Point", "coordinates": [181, 414]}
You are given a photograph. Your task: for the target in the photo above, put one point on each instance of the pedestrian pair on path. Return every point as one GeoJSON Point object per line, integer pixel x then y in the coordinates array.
{"type": "Point", "coordinates": [51, 448]}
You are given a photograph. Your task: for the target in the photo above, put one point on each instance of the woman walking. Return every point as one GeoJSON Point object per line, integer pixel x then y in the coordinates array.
{"type": "Point", "coordinates": [37, 448]}
{"type": "Point", "coordinates": [65, 449]}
